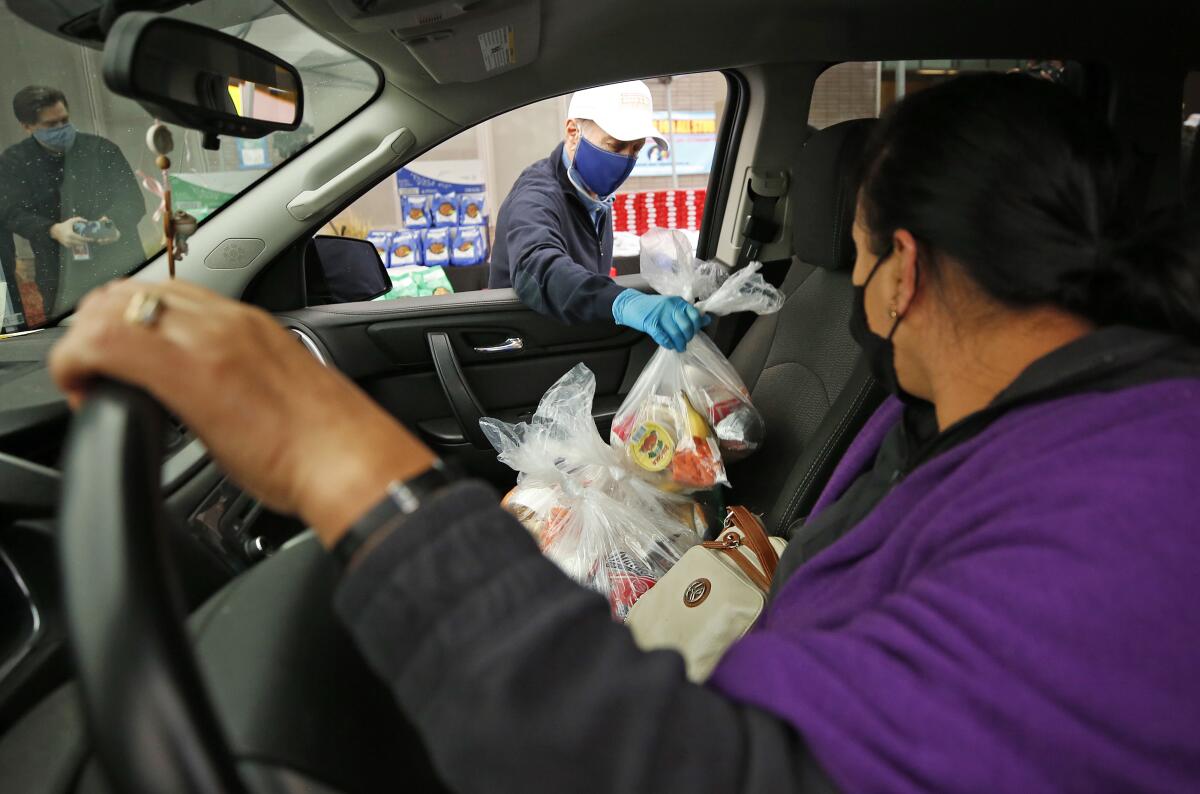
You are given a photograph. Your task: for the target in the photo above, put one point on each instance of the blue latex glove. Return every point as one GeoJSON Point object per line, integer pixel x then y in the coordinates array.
{"type": "Point", "coordinates": [670, 321]}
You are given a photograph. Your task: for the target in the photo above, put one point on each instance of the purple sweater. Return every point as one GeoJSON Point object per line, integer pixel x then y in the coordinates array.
{"type": "Point", "coordinates": [1011, 616]}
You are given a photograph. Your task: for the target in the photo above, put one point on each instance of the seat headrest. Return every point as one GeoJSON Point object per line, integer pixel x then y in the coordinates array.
{"type": "Point", "coordinates": [825, 201]}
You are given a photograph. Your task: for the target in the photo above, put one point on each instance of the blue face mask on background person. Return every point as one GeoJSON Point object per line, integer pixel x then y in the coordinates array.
{"type": "Point", "coordinates": [56, 139]}
{"type": "Point", "coordinates": [602, 171]}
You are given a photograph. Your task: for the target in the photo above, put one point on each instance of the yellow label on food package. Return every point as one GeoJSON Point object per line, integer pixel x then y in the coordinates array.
{"type": "Point", "coordinates": [651, 446]}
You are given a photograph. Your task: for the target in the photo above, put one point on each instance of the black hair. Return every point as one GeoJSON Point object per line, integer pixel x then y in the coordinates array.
{"type": "Point", "coordinates": [30, 100]}
{"type": "Point", "coordinates": [1018, 182]}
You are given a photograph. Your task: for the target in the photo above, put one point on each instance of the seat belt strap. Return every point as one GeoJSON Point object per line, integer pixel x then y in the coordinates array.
{"type": "Point", "coordinates": [758, 229]}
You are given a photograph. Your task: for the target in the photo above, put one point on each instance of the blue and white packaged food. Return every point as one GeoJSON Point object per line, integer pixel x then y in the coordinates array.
{"type": "Point", "coordinates": [467, 246]}
{"type": "Point", "coordinates": [445, 209]}
{"type": "Point", "coordinates": [381, 239]}
{"type": "Point", "coordinates": [416, 211]}
{"type": "Point", "coordinates": [436, 250]}
{"type": "Point", "coordinates": [470, 209]}
{"type": "Point", "coordinates": [405, 248]}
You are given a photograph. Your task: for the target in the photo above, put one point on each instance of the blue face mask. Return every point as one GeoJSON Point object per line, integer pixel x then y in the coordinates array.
{"type": "Point", "coordinates": [602, 171]}
{"type": "Point", "coordinates": [56, 139]}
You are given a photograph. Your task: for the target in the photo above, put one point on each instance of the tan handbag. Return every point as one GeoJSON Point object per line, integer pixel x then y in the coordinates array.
{"type": "Point", "coordinates": [711, 597]}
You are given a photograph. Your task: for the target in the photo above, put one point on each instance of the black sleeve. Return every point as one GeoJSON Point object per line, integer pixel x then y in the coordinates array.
{"type": "Point", "coordinates": [543, 274]}
{"type": "Point", "coordinates": [127, 205]}
{"type": "Point", "coordinates": [14, 183]}
{"type": "Point", "coordinates": [519, 681]}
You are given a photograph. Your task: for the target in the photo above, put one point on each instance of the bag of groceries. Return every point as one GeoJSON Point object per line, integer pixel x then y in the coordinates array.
{"type": "Point", "coordinates": [688, 413]}
{"type": "Point", "coordinates": [601, 523]}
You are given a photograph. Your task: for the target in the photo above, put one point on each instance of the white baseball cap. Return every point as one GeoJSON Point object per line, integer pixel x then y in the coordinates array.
{"type": "Point", "coordinates": [623, 110]}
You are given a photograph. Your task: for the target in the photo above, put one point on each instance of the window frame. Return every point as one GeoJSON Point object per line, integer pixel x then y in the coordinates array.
{"type": "Point", "coordinates": [720, 173]}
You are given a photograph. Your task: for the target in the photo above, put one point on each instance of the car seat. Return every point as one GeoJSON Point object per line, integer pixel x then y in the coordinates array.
{"type": "Point", "coordinates": [802, 368]}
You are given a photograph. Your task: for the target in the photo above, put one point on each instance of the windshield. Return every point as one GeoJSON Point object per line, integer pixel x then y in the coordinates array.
{"type": "Point", "coordinates": [79, 189]}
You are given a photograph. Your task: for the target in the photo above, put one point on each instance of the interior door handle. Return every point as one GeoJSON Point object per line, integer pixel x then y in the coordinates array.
{"type": "Point", "coordinates": [512, 343]}
{"type": "Point", "coordinates": [463, 402]}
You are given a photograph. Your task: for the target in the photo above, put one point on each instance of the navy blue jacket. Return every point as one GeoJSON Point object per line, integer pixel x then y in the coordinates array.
{"type": "Point", "coordinates": [547, 248]}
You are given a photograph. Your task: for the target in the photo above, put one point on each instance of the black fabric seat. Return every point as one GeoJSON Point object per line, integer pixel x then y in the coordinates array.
{"type": "Point", "coordinates": [802, 368]}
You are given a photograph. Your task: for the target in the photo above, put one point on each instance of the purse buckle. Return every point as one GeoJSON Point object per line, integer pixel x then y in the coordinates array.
{"type": "Point", "coordinates": [731, 522]}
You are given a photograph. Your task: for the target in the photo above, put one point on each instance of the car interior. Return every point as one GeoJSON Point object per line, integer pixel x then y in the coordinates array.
{"type": "Point", "coordinates": [159, 627]}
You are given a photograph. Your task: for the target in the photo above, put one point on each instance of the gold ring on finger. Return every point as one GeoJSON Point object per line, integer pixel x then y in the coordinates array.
{"type": "Point", "coordinates": [144, 309]}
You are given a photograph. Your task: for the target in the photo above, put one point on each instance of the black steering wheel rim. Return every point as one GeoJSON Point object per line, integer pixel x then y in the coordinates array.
{"type": "Point", "coordinates": [149, 715]}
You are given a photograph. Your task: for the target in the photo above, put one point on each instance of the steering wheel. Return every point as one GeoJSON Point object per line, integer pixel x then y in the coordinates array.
{"type": "Point", "coordinates": [272, 697]}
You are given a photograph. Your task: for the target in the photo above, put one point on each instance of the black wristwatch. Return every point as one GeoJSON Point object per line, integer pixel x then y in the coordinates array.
{"type": "Point", "coordinates": [402, 499]}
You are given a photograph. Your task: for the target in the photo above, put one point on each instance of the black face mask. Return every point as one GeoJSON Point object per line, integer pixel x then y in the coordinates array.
{"type": "Point", "coordinates": [881, 355]}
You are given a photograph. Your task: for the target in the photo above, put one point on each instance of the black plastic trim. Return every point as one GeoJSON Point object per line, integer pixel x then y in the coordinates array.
{"type": "Point", "coordinates": [720, 175]}
{"type": "Point", "coordinates": [462, 399]}
{"type": "Point", "coordinates": [26, 486]}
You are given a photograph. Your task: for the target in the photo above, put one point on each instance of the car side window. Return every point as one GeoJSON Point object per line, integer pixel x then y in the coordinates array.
{"type": "Point", "coordinates": [864, 89]}
{"type": "Point", "coordinates": [434, 221]}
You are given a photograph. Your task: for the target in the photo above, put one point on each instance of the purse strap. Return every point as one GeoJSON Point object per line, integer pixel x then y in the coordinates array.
{"type": "Point", "coordinates": [753, 537]}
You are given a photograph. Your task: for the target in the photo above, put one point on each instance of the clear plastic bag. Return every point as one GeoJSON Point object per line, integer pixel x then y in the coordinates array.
{"type": "Point", "coordinates": [589, 512]}
{"type": "Point", "coordinates": [743, 291]}
{"type": "Point", "coordinates": [688, 413]}
{"type": "Point", "coordinates": [669, 265]}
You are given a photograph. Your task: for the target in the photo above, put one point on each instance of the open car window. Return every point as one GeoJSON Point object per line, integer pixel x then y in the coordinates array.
{"type": "Point", "coordinates": [71, 150]}
{"type": "Point", "coordinates": [434, 220]}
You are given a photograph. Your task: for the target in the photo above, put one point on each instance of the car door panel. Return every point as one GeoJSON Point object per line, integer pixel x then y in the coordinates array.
{"type": "Point", "coordinates": [386, 348]}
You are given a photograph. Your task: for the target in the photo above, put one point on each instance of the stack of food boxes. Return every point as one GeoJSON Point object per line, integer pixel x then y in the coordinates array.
{"type": "Point", "coordinates": [668, 209]}
{"type": "Point", "coordinates": [440, 229]}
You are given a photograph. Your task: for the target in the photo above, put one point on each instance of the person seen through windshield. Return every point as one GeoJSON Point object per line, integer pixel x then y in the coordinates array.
{"type": "Point", "coordinates": [72, 195]}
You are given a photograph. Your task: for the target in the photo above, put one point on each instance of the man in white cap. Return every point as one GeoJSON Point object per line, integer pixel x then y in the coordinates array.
{"type": "Point", "coordinates": [554, 231]}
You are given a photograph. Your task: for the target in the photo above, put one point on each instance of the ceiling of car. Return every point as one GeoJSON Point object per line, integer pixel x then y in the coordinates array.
{"type": "Point", "coordinates": [561, 45]}
{"type": "Point", "coordinates": [583, 43]}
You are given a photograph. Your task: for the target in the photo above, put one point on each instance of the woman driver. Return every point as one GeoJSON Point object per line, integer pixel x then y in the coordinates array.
{"type": "Point", "coordinates": [1000, 584]}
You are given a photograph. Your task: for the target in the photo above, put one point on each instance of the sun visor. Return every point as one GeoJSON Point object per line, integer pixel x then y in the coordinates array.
{"type": "Point", "coordinates": [456, 42]}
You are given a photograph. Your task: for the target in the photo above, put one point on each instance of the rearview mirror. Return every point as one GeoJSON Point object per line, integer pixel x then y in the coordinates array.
{"type": "Point", "coordinates": [201, 78]}
{"type": "Point", "coordinates": [343, 270]}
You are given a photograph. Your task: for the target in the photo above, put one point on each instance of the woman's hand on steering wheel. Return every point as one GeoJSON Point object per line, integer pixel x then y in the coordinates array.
{"type": "Point", "coordinates": [299, 436]}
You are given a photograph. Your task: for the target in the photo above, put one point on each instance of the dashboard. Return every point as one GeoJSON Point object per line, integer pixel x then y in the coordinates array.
{"type": "Point", "coordinates": [215, 529]}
